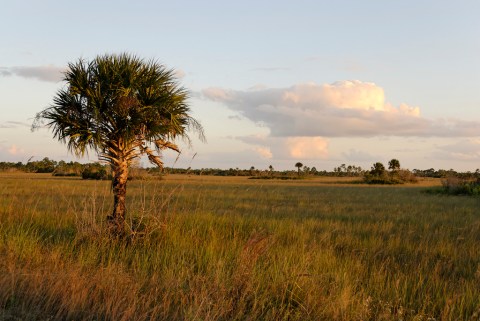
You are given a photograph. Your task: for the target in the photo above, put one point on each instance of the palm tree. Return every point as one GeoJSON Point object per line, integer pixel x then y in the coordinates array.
{"type": "Point", "coordinates": [299, 165]}
{"type": "Point", "coordinates": [119, 106]}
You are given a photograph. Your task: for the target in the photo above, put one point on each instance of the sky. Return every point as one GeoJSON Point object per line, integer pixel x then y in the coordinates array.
{"type": "Point", "coordinates": [320, 82]}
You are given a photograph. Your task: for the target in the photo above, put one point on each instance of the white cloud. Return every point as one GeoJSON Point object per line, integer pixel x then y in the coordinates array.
{"type": "Point", "coordinates": [48, 73]}
{"type": "Point", "coordinates": [264, 152]}
{"type": "Point", "coordinates": [307, 147]}
{"type": "Point", "coordinates": [288, 148]}
{"type": "Point", "coordinates": [342, 109]}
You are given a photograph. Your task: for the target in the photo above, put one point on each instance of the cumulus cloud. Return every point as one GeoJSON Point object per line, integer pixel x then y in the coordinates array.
{"type": "Point", "coordinates": [307, 147]}
{"type": "Point", "coordinates": [264, 152]}
{"type": "Point", "coordinates": [288, 147]}
{"type": "Point", "coordinates": [48, 73]}
{"type": "Point", "coordinates": [342, 109]}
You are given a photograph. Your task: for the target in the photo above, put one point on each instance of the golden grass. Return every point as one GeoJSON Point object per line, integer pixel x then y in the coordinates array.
{"type": "Point", "coordinates": [214, 248]}
{"type": "Point", "coordinates": [309, 181]}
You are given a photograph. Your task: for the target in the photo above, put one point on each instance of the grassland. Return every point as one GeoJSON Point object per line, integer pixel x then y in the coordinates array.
{"type": "Point", "coordinates": [237, 249]}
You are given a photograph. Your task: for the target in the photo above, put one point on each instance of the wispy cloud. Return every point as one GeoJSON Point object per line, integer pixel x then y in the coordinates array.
{"type": "Point", "coordinates": [179, 73]}
{"type": "Point", "coordinates": [342, 109]}
{"type": "Point", "coordinates": [359, 155]}
{"type": "Point", "coordinates": [13, 124]}
{"type": "Point", "coordinates": [48, 73]}
{"type": "Point", "coordinates": [271, 69]}
{"type": "Point", "coordinates": [15, 150]}
{"type": "Point", "coordinates": [465, 150]}
{"type": "Point", "coordinates": [235, 117]}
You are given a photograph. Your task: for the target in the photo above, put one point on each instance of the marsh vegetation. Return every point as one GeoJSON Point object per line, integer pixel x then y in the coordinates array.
{"type": "Point", "coordinates": [216, 248]}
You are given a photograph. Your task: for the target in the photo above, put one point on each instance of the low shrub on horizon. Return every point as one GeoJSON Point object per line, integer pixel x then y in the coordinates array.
{"type": "Point", "coordinates": [459, 186]}
{"type": "Point", "coordinates": [400, 176]}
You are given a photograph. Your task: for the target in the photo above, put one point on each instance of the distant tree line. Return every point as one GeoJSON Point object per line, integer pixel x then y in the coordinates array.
{"type": "Point", "coordinates": [376, 174]}
{"type": "Point", "coordinates": [442, 173]}
{"type": "Point", "coordinates": [45, 165]}
{"type": "Point", "coordinates": [60, 168]}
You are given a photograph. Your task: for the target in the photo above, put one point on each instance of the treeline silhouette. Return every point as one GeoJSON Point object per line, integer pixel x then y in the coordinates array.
{"type": "Point", "coordinates": [100, 171]}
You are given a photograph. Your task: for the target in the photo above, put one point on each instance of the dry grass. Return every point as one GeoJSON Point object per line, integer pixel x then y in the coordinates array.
{"type": "Point", "coordinates": [236, 249]}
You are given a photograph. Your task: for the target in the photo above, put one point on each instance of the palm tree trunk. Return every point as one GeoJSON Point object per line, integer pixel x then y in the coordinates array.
{"type": "Point", "coordinates": [119, 186]}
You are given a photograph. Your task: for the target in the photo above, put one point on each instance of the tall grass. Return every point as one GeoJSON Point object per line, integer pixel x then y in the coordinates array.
{"type": "Point", "coordinates": [234, 249]}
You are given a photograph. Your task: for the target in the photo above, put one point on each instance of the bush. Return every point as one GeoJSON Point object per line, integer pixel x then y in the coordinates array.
{"type": "Point", "coordinates": [458, 186]}
{"type": "Point", "coordinates": [96, 171]}
{"type": "Point", "coordinates": [389, 178]}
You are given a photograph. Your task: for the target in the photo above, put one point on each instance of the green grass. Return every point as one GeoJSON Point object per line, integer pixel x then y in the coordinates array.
{"type": "Point", "coordinates": [237, 249]}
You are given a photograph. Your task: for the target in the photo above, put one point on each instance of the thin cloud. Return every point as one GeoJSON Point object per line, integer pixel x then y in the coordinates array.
{"type": "Point", "coordinates": [49, 73]}
{"type": "Point", "coordinates": [13, 124]}
{"type": "Point", "coordinates": [465, 150]}
{"type": "Point", "coordinates": [355, 155]}
{"type": "Point", "coordinates": [15, 150]}
{"type": "Point", "coordinates": [271, 69]}
{"type": "Point", "coordinates": [342, 109]}
{"type": "Point", "coordinates": [179, 73]}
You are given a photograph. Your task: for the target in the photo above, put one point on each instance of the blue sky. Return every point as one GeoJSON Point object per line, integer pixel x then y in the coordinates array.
{"type": "Point", "coordinates": [272, 82]}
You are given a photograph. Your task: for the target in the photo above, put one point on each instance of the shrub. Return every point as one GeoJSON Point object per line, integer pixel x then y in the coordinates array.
{"type": "Point", "coordinates": [96, 171]}
{"type": "Point", "coordinates": [458, 186]}
{"type": "Point", "coordinates": [389, 178]}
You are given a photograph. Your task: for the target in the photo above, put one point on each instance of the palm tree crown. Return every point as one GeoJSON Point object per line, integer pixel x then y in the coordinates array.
{"type": "Point", "coordinates": [298, 165]}
{"type": "Point", "coordinates": [119, 100]}
{"type": "Point", "coordinates": [119, 106]}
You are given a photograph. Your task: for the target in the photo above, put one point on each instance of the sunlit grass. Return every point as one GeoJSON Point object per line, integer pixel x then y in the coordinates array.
{"type": "Point", "coordinates": [237, 249]}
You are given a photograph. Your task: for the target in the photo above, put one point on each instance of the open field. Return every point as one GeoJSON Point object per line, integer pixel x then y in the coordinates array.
{"type": "Point", "coordinates": [216, 248]}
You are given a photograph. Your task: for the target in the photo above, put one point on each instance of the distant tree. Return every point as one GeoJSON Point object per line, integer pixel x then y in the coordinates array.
{"type": "Point", "coordinates": [298, 166]}
{"type": "Point", "coordinates": [394, 164]}
{"type": "Point", "coordinates": [46, 165]}
{"type": "Point", "coordinates": [119, 106]}
{"type": "Point", "coordinates": [96, 171]}
{"type": "Point", "coordinates": [270, 168]}
{"type": "Point", "coordinates": [377, 169]}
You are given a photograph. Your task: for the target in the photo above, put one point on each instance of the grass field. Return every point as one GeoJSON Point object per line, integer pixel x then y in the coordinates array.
{"type": "Point", "coordinates": [209, 248]}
